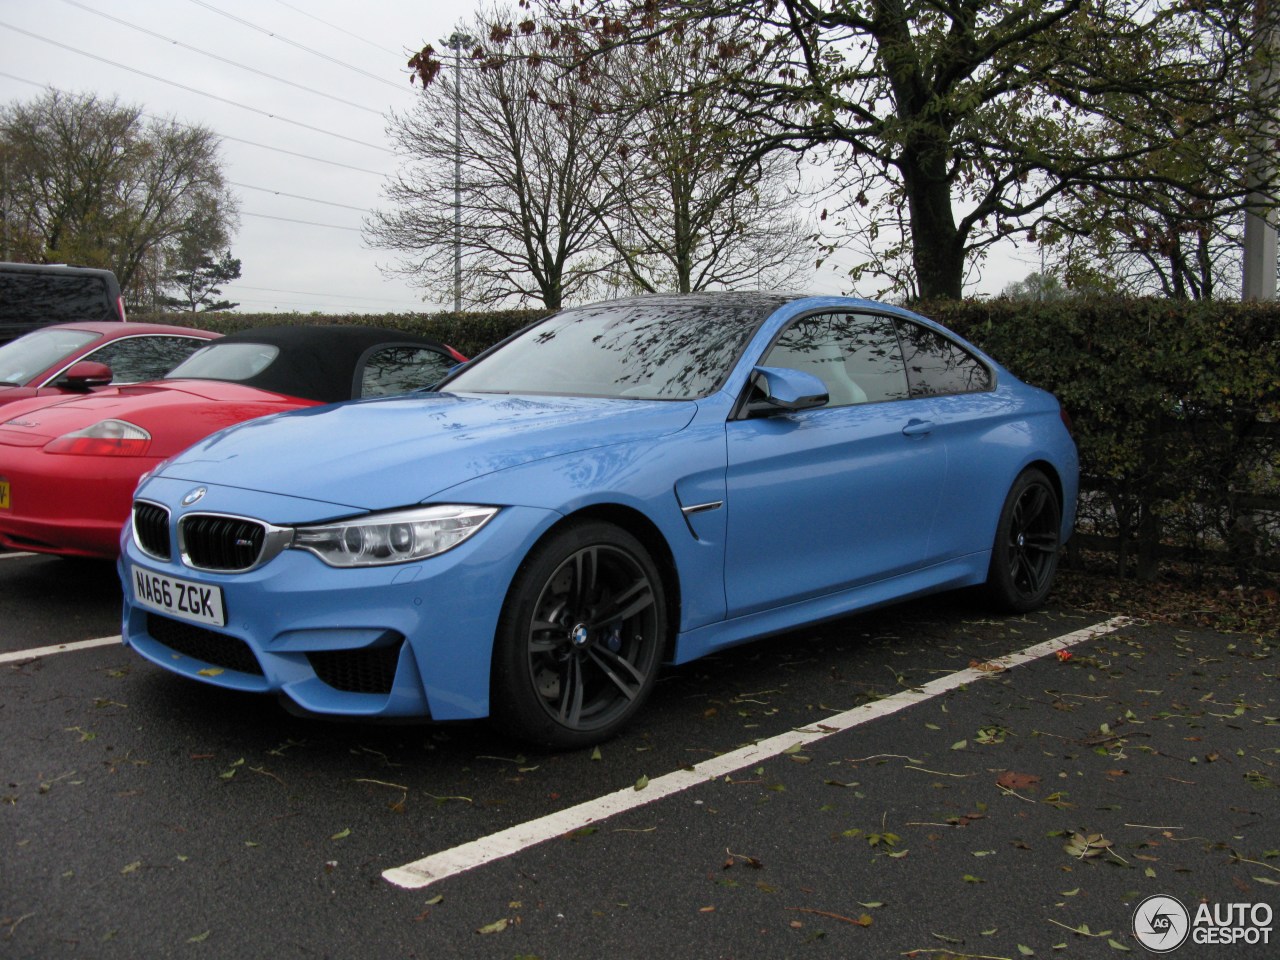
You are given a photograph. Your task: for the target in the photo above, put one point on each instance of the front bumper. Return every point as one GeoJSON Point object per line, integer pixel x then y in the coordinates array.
{"type": "Point", "coordinates": [409, 640]}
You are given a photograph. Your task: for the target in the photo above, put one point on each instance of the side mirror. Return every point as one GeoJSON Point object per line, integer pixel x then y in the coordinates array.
{"type": "Point", "coordinates": [84, 375]}
{"type": "Point", "coordinates": [780, 390]}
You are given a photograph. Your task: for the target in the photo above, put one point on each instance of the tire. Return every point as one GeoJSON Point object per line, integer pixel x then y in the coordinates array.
{"type": "Point", "coordinates": [580, 639]}
{"type": "Point", "coordinates": [1024, 556]}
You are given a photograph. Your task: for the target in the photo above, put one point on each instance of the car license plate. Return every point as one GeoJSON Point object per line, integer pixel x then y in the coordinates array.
{"type": "Point", "coordinates": [181, 598]}
{"type": "Point", "coordinates": [4, 494]}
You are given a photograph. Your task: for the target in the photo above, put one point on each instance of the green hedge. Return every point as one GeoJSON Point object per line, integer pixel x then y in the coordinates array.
{"type": "Point", "coordinates": [469, 333]}
{"type": "Point", "coordinates": [1176, 407]}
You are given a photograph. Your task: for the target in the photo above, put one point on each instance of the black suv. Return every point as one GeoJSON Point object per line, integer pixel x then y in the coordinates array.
{"type": "Point", "coordinates": [33, 295]}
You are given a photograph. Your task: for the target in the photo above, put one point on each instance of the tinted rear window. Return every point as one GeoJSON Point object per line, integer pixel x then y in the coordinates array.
{"type": "Point", "coordinates": [30, 299]}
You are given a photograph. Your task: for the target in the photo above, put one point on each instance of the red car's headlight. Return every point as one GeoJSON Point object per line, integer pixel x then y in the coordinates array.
{"type": "Point", "coordinates": [106, 438]}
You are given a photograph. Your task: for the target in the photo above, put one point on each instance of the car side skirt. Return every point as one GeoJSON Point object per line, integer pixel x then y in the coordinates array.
{"type": "Point", "coordinates": [964, 571]}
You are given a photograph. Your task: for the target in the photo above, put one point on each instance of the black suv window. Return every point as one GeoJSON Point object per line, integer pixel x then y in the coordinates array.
{"type": "Point", "coordinates": [392, 370]}
{"type": "Point", "coordinates": [855, 355]}
{"type": "Point", "coordinates": [35, 295]}
{"type": "Point", "coordinates": [135, 359]}
{"type": "Point", "coordinates": [938, 366]}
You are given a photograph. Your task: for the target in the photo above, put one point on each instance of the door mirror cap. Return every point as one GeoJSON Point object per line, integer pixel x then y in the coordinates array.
{"type": "Point", "coordinates": [85, 375]}
{"type": "Point", "coordinates": [780, 390]}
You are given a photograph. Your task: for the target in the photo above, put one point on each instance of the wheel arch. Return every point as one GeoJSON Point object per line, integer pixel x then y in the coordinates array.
{"type": "Point", "coordinates": [1051, 472]}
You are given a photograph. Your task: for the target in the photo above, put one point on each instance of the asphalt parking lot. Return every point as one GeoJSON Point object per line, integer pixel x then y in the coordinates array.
{"type": "Point", "coordinates": [967, 807]}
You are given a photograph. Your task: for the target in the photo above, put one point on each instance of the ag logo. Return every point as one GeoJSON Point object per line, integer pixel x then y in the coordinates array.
{"type": "Point", "coordinates": [193, 496]}
{"type": "Point", "coordinates": [1161, 923]}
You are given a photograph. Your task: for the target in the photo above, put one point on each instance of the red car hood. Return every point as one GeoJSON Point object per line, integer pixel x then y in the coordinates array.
{"type": "Point", "coordinates": [176, 413]}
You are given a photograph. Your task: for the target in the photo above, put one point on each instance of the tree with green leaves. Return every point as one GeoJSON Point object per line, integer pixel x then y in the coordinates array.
{"type": "Point", "coordinates": [198, 281]}
{"type": "Point", "coordinates": [965, 122]}
{"type": "Point", "coordinates": [93, 181]}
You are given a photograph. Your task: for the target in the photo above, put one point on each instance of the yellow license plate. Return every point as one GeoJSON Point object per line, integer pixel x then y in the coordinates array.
{"type": "Point", "coordinates": [4, 494]}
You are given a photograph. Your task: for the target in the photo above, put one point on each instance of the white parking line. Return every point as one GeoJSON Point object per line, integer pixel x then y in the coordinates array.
{"type": "Point", "coordinates": [60, 648]}
{"type": "Point", "coordinates": [15, 556]}
{"type": "Point", "coordinates": [476, 853]}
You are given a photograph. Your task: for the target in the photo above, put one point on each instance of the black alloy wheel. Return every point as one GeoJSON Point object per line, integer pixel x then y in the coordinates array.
{"type": "Point", "coordinates": [1024, 557]}
{"type": "Point", "coordinates": [581, 638]}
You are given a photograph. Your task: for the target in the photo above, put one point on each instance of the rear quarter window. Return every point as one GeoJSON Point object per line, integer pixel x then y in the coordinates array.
{"type": "Point", "coordinates": [938, 366]}
{"type": "Point", "coordinates": [392, 370]}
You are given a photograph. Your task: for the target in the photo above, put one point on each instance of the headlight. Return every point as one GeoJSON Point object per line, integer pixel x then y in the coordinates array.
{"type": "Point", "coordinates": [106, 438]}
{"type": "Point", "coordinates": [392, 537]}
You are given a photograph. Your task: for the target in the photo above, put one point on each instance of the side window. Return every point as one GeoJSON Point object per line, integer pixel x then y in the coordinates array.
{"type": "Point", "coordinates": [855, 355]}
{"type": "Point", "coordinates": [391, 370]}
{"type": "Point", "coordinates": [938, 366]}
{"type": "Point", "coordinates": [135, 359]}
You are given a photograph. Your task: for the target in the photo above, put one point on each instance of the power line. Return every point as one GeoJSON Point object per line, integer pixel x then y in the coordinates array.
{"type": "Point", "coordinates": [308, 223]}
{"type": "Point", "coordinates": [301, 156]}
{"type": "Point", "coordinates": [293, 43]}
{"type": "Point", "coordinates": [214, 56]}
{"type": "Point", "coordinates": [224, 136]}
{"type": "Point", "coordinates": [353, 36]}
{"type": "Point", "coordinates": [313, 293]}
{"type": "Point", "coordinates": [181, 86]}
{"type": "Point", "coordinates": [296, 196]}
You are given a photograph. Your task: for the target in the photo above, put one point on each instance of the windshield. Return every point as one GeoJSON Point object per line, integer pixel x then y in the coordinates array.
{"type": "Point", "coordinates": [23, 358]}
{"type": "Point", "coordinates": [225, 361]}
{"type": "Point", "coordinates": [646, 349]}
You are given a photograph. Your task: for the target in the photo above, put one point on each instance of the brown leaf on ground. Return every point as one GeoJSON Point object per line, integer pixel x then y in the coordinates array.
{"type": "Point", "coordinates": [1012, 780]}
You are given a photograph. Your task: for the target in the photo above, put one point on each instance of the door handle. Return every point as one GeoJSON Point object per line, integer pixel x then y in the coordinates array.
{"type": "Point", "coordinates": [918, 428]}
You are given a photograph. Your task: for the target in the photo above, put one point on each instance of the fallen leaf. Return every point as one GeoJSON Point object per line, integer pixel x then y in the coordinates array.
{"type": "Point", "coordinates": [987, 667]}
{"type": "Point", "coordinates": [642, 782]}
{"type": "Point", "coordinates": [210, 671]}
{"type": "Point", "coordinates": [496, 927]}
{"type": "Point", "coordinates": [1011, 780]}
{"type": "Point", "coordinates": [341, 834]}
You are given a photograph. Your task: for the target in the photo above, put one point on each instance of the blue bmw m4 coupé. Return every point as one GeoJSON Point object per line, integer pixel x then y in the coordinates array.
{"type": "Point", "coordinates": [616, 487]}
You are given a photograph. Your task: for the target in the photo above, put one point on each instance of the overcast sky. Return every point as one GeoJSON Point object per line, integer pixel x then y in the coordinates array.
{"type": "Point", "coordinates": [207, 62]}
{"type": "Point", "coordinates": [298, 90]}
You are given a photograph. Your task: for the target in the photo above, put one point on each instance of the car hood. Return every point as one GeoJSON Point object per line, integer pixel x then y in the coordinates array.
{"type": "Point", "coordinates": [379, 454]}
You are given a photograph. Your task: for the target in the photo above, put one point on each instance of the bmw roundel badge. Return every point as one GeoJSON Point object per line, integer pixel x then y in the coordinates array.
{"type": "Point", "coordinates": [193, 496]}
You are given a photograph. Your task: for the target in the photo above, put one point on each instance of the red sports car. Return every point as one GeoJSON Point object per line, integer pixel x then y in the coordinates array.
{"type": "Point", "coordinates": [68, 466]}
{"type": "Point", "coordinates": [73, 358]}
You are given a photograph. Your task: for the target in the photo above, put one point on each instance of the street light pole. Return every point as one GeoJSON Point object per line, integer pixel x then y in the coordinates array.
{"type": "Point", "coordinates": [1259, 221]}
{"type": "Point", "coordinates": [456, 43]}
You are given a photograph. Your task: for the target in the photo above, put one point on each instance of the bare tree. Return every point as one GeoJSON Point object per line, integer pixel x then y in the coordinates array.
{"type": "Point", "coordinates": [972, 116]}
{"type": "Point", "coordinates": [695, 209]}
{"type": "Point", "coordinates": [93, 182]}
{"type": "Point", "coordinates": [531, 150]}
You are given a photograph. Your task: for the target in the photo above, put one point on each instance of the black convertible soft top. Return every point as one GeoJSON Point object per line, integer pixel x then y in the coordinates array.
{"type": "Point", "coordinates": [323, 363]}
